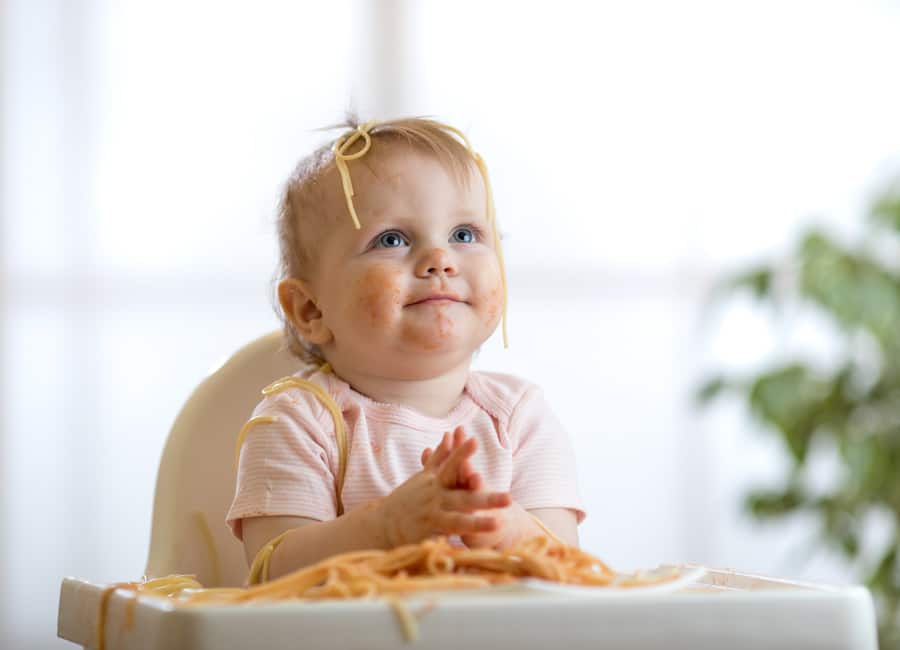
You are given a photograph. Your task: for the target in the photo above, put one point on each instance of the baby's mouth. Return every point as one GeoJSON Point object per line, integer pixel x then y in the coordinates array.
{"type": "Point", "coordinates": [436, 298]}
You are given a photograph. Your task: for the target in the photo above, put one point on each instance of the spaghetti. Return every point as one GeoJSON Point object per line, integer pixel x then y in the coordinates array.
{"type": "Point", "coordinates": [340, 426]}
{"type": "Point", "coordinates": [431, 565]}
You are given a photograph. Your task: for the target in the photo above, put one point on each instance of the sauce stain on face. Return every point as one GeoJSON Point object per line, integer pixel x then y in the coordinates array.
{"type": "Point", "coordinates": [436, 332]}
{"type": "Point", "coordinates": [493, 304]}
{"type": "Point", "coordinates": [380, 294]}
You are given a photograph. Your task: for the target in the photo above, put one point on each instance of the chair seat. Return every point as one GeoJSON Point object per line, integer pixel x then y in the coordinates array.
{"type": "Point", "coordinates": [196, 479]}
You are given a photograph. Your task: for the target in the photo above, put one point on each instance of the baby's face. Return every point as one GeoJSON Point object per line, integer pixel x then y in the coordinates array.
{"type": "Point", "coordinates": [418, 288]}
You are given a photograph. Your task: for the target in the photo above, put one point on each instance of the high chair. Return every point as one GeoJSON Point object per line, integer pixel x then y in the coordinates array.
{"type": "Point", "coordinates": [196, 477]}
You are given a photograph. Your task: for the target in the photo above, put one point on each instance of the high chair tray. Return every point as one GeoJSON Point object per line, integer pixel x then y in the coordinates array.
{"type": "Point", "coordinates": [722, 609]}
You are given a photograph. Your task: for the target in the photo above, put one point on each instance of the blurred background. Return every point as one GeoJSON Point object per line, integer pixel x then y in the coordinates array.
{"type": "Point", "coordinates": [640, 152]}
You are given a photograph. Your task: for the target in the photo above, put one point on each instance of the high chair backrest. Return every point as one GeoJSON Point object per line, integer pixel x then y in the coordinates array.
{"type": "Point", "coordinates": [195, 484]}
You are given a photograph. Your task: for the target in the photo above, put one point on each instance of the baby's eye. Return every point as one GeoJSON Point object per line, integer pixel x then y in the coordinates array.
{"type": "Point", "coordinates": [391, 239]}
{"type": "Point", "coordinates": [463, 235]}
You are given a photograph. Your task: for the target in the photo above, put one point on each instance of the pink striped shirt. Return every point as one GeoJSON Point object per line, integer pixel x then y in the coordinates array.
{"type": "Point", "coordinates": [287, 467]}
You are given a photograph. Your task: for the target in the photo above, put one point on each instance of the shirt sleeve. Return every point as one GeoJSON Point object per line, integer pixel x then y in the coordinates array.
{"type": "Point", "coordinates": [286, 466]}
{"type": "Point", "coordinates": [544, 473]}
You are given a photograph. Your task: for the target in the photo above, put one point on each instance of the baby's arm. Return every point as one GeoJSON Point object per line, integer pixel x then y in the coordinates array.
{"type": "Point", "coordinates": [422, 507]}
{"type": "Point", "coordinates": [562, 521]}
{"type": "Point", "coordinates": [517, 524]}
{"type": "Point", "coordinates": [311, 540]}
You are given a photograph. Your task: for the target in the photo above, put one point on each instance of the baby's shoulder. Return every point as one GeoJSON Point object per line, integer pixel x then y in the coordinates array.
{"type": "Point", "coordinates": [305, 395]}
{"type": "Point", "coordinates": [498, 393]}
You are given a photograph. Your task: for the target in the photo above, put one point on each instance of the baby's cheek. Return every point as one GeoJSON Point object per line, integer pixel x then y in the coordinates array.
{"type": "Point", "coordinates": [380, 294]}
{"type": "Point", "coordinates": [493, 306]}
{"type": "Point", "coordinates": [490, 290]}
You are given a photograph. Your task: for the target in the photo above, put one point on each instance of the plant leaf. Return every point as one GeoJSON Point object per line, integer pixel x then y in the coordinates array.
{"type": "Point", "coordinates": [856, 291]}
{"type": "Point", "coordinates": [886, 208]}
{"type": "Point", "coordinates": [711, 389]}
{"type": "Point", "coordinates": [790, 399]}
{"type": "Point", "coordinates": [764, 504]}
{"type": "Point", "coordinates": [758, 281]}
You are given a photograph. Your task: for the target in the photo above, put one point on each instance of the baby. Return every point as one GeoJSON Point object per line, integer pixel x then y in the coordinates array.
{"type": "Point", "coordinates": [392, 278]}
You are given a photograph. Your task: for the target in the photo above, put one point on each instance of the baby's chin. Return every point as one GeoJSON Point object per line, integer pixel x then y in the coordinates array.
{"type": "Point", "coordinates": [442, 336]}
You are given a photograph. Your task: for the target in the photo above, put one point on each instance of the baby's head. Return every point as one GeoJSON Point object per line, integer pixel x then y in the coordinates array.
{"type": "Point", "coordinates": [419, 285]}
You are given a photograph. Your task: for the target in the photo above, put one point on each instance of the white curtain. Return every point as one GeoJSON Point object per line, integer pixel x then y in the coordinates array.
{"type": "Point", "coordinates": [637, 150]}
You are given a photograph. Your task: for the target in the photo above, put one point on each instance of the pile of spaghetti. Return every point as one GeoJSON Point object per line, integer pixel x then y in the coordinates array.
{"type": "Point", "coordinates": [432, 565]}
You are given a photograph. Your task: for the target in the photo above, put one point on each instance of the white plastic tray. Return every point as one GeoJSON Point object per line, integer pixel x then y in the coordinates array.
{"type": "Point", "coordinates": [722, 609]}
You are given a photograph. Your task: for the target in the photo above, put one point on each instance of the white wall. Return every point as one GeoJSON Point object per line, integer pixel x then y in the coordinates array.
{"type": "Point", "coordinates": [637, 150]}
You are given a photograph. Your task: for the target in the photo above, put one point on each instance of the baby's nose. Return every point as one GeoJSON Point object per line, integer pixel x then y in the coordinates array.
{"type": "Point", "coordinates": [435, 262]}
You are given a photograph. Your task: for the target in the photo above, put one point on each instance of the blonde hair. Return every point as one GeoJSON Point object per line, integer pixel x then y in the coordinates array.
{"type": "Point", "coordinates": [304, 203]}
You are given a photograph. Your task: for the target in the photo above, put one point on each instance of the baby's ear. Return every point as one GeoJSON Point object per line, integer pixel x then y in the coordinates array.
{"type": "Point", "coordinates": [300, 308]}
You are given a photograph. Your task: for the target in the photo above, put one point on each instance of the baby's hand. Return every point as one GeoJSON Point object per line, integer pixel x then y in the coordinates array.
{"type": "Point", "coordinates": [429, 504]}
{"type": "Point", "coordinates": [512, 523]}
{"type": "Point", "coordinates": [466, 478]}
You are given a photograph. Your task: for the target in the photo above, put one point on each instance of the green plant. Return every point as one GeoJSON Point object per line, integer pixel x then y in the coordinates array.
{"type": "Point", "coordinates": [851, 408]}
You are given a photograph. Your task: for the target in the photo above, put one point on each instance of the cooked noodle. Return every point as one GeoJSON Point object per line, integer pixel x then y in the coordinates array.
{"type": "Point", "coordinates": [432, 565]}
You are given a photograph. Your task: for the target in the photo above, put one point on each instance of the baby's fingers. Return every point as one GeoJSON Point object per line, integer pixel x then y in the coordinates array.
{"type": "Point", "coordinates": [468, 478]}
{"type": "Point", "coordinates": [432, 458]}
{"type": "Point", "coordinates": [463, 501]}
{"type": "Point", "coordinates": [458, 437]}
{"type": "Point", "coordinates": [457, 523]}
{"type": "Point", "coordinates": [449, 442]}
{"type": "Point", "coordinates": [450, 469]}
{"type": "Point", "coordinates": [472, 482]}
